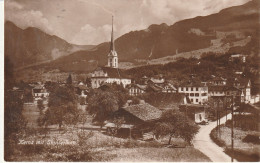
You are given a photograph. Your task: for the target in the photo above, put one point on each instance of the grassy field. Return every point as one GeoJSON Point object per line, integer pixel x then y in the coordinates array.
{"type": "Point", "coordinates": [243, 151]}
{"type": "Point", "coordinates": [100, 147]}
{"type": "Point", "coordinates": [31, 114]}
{"type": "Point", "coordinates": [154, 155]}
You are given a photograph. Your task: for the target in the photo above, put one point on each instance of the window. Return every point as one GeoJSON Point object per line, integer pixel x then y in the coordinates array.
{"type": "Point", "coordinates": [191, 89]}
{"type": "Point", "coordinates": [197, 100]}
{"type": "Point", "coordinates": [187, 89]}
{"type": "Point", "coordinates": [204, 94]}
{"type": "Point", "coordinates": [197, 89]}
{"type": "Point", "coordinates": [197, 94]}
{"type": "Point", "coordinates": [181, 89]}
{"type": "Point", "coordinates": [191, 100]}
{"type": "Point", "coordinates": [191, 94]}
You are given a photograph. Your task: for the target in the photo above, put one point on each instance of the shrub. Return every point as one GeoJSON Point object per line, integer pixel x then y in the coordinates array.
{"type": "Point", "coordinates": [242, 156]}
{"type": "Point", "coordinates": [252, 139]}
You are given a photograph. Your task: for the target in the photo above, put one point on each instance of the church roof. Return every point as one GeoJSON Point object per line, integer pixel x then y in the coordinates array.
{"type": "Point", "coordinates": [112, 45]}
{"type": "Point", "coordinates": [112, 72]}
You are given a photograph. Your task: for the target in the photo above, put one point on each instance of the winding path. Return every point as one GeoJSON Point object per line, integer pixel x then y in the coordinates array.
{"type": "Point", "coordinates": [203, 142]}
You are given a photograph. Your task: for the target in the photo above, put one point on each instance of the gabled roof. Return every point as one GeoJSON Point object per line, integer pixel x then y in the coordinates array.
{"type": "Point", "coordinates": [38, 87]}
{"type": "Point", "coordinates": [243, 82]}
{"type": "Point", "coordinates": [142, 87]}
{"type": "Point", "coordinates": [169, 85]}
{"type": "Point", "coordinates": [82, 87]}
{"type": "Point", "coordinates": [144, 112]}
{"type": "Point", "coordinates": [154, 88]}
{"type": "Point", "coordinates": [232, 88]}
{"type": "Point", "coordinates": [157, 81]}
{"type": "Point", "coordinates": [192, 83]}
{"type": "Point", "coordinates": [166, 100]}
{"type": "Point", "coordinates": [217, 88]}
{"type": "Point", "coordinates": [219, 79]}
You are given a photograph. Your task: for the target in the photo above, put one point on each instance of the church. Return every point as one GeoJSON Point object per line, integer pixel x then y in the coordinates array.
{"type": "Point", "coordinates": [110, 73]}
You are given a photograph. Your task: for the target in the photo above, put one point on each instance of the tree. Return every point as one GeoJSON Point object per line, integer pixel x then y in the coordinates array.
{"type": "Point", "coordinates": [135, 100]}
{"type": "Point", "coordinates": [62, 107]}
{"type": "Point", "coordinates": [82, 118]}
{"type": "Point", "coordinates": [101, 105]}
{"type": "Point", "coordinates": [69, 80]}
{"type": "Point", "coordinates": [119, 91]}
{"type": "Point", "coordinates": [28, 97]}
{"type": "Point", "coordinates": [118, 121]}
{"type": "Point", "coordinates": [9, 73]}
{"type": "Point", "coordinates": [14, 123]}
{"type": "Point", "coordinates": [40, 105]}
{"type": "Point", "coordinates": [88, 82]}
{"type": "Point", "coordinates": [175, 124]}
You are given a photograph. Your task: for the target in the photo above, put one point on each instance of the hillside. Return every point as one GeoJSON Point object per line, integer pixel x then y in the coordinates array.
{"type": "Point", "coordinates": [184, 38]}
{"type": "Point", "coordinates": [232, 30]}
{"type": "Point", "coordinates": [33, 46]}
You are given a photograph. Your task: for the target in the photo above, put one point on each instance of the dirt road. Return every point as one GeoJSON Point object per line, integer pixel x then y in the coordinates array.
{"type": "Point", "coordinates": [203, 143]}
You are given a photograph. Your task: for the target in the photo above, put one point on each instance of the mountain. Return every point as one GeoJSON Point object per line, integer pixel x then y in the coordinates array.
{"type": "Point", "coordinates": [228, 29]}
{"type": "Point", "coordinates": [32, 46]}
{"type": "Point", "coordinates": [232, 30]}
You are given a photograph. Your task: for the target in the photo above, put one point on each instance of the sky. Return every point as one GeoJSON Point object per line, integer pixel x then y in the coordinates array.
{"type": "Point", "coordinates": [88, 22]}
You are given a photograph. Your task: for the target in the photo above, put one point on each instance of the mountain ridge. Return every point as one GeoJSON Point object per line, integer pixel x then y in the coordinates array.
{"type": "Point", "coordinates": [218, 30]}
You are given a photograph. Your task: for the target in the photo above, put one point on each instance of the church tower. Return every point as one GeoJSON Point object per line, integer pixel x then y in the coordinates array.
{"type": "Point", "coordinates": [112, 55]}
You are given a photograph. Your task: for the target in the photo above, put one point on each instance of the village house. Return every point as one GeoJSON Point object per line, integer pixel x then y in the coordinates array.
{"type": "Point", "coordinates": [168, 88]}
{"type": "Point", "coordinates": [219, 81]}
{"type": "Point", "coordinates": [16, 91]}
{"type": "Point", "coordinates": [152, 88]}
{"type": "Point", "coordinates": [234, 57]}
{"type": "Point", "coordinates": [196, 91]}
{"type": "Point", "coordinates": [136, 89]}
{"type": "Point", "coordinates": [159, 81]}
{"type": "Point", "coordinates": [81, 89]}
{"type": "Point", "coordinates": [39, 91]}
{"type": "Point", "coordinates": [238, 95]}
{"type": "Point", "coordinates": [244, 85]}
{"type": "Point", "coordinates": [216, 91]}
{"type": "Point", "coordinates": [139, 119]}
{"type": "Point", "coordinates": [144, 80]}
{"type": "Point", "coordinates": [111, 73]}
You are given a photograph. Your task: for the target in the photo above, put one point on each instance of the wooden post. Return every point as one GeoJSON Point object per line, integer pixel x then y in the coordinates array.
{"type": "Point", "coordinates": [219, 124]}
{"type": "Point", "coordinates": [226, 116]}
{"type": "Point", "coordinates": [232, 130]}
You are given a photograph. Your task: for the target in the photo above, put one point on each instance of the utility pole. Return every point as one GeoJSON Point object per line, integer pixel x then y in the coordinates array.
{"type": "Point", "coordinates": [219, 123]}
{"type": "Point", "coordinates": [232, 130]}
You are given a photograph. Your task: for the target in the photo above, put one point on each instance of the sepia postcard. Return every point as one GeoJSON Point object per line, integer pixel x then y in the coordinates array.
{"type": "Point", "coordinates": [131, 80]}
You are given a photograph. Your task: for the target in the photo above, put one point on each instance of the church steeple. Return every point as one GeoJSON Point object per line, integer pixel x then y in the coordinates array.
{"type": "Point", "coordinates": [112, 55]}
{"type": "Point", "coordinates": [112, 46]}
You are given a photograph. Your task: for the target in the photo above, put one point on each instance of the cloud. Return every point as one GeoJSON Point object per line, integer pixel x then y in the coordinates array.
{"type": "Point", "coordinates": [91, 35]}
{"type": "Point", "coordinates": [87, 21]}
{"type": "Point", "coordinates": [16, 13]}
{"type": "Point", "coordinates": [13, 5]}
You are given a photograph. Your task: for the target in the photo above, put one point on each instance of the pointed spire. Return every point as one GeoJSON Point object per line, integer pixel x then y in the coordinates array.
{"type": "Point", "coordinates": [112, 46]}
